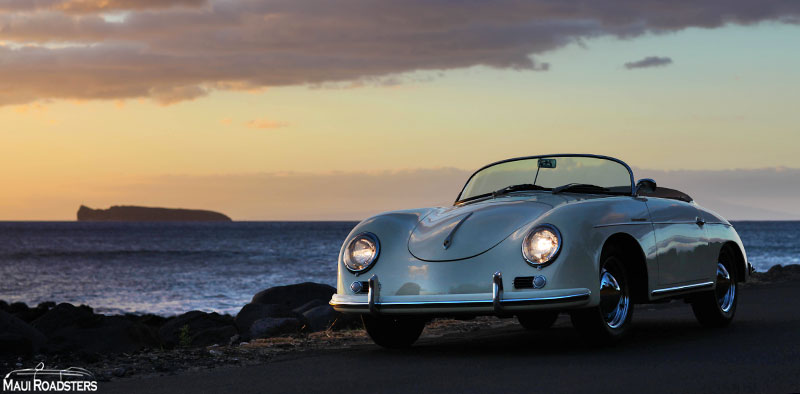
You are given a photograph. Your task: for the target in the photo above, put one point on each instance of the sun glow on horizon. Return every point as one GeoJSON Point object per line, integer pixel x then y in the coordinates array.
{"type": "Point", "coordinates": [707, 109]}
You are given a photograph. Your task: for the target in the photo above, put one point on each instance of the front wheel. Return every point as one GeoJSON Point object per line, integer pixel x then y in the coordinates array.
{"type": "Point", "coordinates": [716, 308]}
{"type": "Point", "coordinates": [611, 320]}
{"type": "Point", "coordinates": [393, 333]}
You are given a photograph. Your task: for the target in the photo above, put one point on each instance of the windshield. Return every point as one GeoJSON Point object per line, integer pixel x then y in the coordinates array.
{"type": "Point", "coordinates": [589, 174]}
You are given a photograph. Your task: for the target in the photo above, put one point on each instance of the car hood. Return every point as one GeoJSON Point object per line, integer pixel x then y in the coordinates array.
{"type": "Point", "coordinates": [456, 233]}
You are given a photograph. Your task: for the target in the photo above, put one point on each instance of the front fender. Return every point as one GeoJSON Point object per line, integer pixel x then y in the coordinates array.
{"type": "Point", "coordinates": [389, 227]}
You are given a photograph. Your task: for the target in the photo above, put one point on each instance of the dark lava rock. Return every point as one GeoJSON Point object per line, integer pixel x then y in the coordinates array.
{"type": "Point", "coordinates": [320, 317]}
{"type": "Point", "coordinates": [148, 320]}
{"type": "Point", "coordinates": [30, 314]}
{"type": "Point", "coordinates": [18, 337]}
{"type": "Point", "coordinates": [65, 315]}
{"type": "Point", "coordinates": [17, 307]}
{"type": "Point", "coordinates": [214, 336]}
{"type": "Point", "coordinates": [72, 328]}
{"type": "Point", "coordinates": [309, 305]}
{"type": "Point", "coordinates": [293, 296]}
{"type": "Point", "coordinates": [253, 312]}
{"type": "Point", "coordinates": [102, 335]}
{"type": "Point", "coordinates": [173, 333]}
{"type": "Point", "coordinates": [274, 326]}
{"type": "Point", "coordinates": [779, 273]}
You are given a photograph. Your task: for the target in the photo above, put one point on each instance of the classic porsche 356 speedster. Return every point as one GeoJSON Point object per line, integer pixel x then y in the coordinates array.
{"type": "Point", "coordinates": [535, 236]}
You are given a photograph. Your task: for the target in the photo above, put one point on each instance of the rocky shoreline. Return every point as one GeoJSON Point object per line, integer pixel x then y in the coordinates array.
{"type": "Point", "coordinates": [61, 333]}
{"type": "Point", "coordinates": [278, 320]}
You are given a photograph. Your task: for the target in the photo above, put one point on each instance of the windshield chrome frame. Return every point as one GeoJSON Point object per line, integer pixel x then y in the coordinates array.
{"type": "Point", "coordinates": [614, 159]}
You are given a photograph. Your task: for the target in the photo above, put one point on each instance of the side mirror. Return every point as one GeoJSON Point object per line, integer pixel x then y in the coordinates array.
{"type": "Point", "coordinates": [645, 185]}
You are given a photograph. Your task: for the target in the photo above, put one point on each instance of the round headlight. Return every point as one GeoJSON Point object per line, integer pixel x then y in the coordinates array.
{"type": "Point", "coordinates": [361, 252]}
{"type": "Point", "coordinates": [541, 245]}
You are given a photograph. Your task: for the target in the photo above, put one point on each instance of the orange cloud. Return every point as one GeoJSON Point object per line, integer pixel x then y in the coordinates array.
{"type": "Point", "coordinates": [92, 6]}
{"type": "Point", "coordinates": [265, 124]}
{"type": "Point", "coordinates": [169, 95]}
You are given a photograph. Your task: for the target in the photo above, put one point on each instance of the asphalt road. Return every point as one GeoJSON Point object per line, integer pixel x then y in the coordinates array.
{"type": "Point", "coordinates": [669, 352]}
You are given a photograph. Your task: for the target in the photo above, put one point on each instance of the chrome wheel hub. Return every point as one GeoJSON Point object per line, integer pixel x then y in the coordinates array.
{"type": "Point", "coordinates": [614, 303]}
{"type": "Point", "coordinates": [726, 289]}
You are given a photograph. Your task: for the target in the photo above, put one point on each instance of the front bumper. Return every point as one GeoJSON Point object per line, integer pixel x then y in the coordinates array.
{"type": "Point", "coordinates": [494, 303]}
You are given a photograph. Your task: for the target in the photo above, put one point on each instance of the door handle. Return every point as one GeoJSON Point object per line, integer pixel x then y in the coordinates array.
{"type": "Point", "coordinates": [699, 221]}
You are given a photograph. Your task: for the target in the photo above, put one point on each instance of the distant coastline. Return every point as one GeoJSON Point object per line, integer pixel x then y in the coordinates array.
{"type": "Point", "coordinates": [148, 214]}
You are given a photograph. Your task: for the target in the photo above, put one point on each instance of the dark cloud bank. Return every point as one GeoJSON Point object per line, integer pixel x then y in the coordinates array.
{"type": "Point", "coordinates": [173, 50]}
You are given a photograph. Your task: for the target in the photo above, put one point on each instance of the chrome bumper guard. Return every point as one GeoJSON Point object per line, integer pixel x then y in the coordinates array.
{"type": "Point", "coordinates": [497, 292]}
{"type": "Point", "coordinates": [497, 303]}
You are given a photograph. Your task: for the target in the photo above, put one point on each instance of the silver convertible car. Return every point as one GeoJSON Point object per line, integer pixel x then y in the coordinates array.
{"type": "Point", "coordinates": [535, 236]}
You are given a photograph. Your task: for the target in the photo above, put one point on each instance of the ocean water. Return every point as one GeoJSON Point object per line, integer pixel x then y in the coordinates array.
{"type": "Point", "coordinates": [163, 268]}
{"type": "Point", "coordinates": [170, 268]}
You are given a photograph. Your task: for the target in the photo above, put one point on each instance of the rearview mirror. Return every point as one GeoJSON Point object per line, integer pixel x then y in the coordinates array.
{"type": "Point", "coordinates": [547, 163]}
{"type": "Point", "coordinates": [645, 185]}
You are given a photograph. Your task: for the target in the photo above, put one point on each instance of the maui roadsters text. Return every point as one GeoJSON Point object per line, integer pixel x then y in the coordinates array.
{"type": "Point", "coordinates": [535, 236]}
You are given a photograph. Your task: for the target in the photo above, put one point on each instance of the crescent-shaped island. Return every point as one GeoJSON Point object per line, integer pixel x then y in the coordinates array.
{"type": "Point", "coordinates": [125, 213]}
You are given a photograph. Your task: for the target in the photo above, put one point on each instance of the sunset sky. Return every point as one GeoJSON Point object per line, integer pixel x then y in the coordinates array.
{"type": "Point", "coordinates": [304, 110]}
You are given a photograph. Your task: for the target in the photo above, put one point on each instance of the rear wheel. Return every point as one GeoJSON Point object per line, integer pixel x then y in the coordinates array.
{"type": "Point", "coordinates": [611, 320]}
{"type": "Point", "coordinates": [716, 308]}
{"type": "Point", "coordinates": [393, 333]}
{"type": "Point", "coordinates": [538, 320]}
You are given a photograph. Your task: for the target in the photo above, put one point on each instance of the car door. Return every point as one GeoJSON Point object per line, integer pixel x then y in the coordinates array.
{"type": "Point", "coordinates": [681, 241]}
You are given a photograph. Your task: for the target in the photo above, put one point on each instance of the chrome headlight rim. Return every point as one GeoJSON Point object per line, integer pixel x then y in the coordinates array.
{"type": "Point", "coordinates": [531, 232]}
{"type": "Point", "coordinates": [372, 238]}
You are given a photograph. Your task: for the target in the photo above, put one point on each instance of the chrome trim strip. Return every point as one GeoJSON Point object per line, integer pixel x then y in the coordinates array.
{"type": "Point", "coordinates": [682, 288]}
{"type": "Point", "coordinates": [478, 303]}
{"type": "Point", "coordinates": [449, 240]}
{"type": "Point", "coordinates": [620, 224]}
{"type": "Point", "coordinates": [678, 222]}
{"type": "Point", "coordinates": [648, 222]}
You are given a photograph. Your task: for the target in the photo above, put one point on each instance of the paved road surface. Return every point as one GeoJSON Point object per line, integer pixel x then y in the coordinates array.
{"type": "Point", "coordinates": [670, 352]}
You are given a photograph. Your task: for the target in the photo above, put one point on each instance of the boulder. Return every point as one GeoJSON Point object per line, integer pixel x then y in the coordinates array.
{"type": "Point", "coordinates": [777, 273]}
{"type": "Point", "coordinates": [18, 337]}
{"type": "Point", "coordinates": [274, 326]}
{"type": "Point", "coordinates": [214, 336]}
{"type": "Point", "coordinates": [30, 314]}
{"type": "Point", "coordinates": [250, 313]}
{"type": "Point", "coordinates": [104, 335]}
{"type": "Point", "coordinates": [293, 296]}
{"type": "Point", "coordinates": [65, 315]}
{"type": "Point", "coordinates": [320, 317]}
{"type": "Point", "coordinates": [185, 329]}
{"type": "Point", "coordinates": [17, 307]}
{"type": "Point", "coordinates": [148, 319]}
{"type": "Point", "coordinates": [309, 305]}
